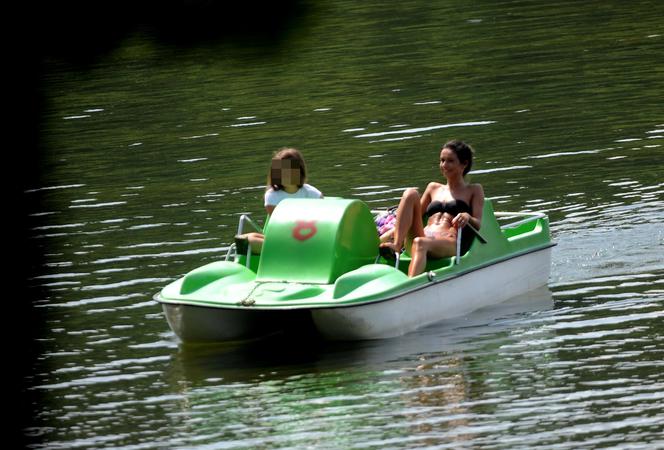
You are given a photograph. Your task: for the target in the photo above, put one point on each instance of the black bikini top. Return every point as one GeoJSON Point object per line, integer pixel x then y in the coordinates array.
{"type": "Point", "coordinates": [452, 207]}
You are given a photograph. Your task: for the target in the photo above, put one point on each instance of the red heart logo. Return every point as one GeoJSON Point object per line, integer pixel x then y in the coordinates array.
{"type": "Point", "coordinates": [304, 229]}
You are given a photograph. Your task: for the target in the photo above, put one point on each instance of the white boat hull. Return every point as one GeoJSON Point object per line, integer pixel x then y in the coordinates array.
{"type": "Point", "coordinates": [438, 301]}
{"type": "Point", "coordinates": [392, 317]}
{"type": "Point", "coordinates": [202, 324]}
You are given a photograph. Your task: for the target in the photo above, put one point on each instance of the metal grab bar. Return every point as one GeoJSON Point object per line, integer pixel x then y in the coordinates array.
{"type": "Point", "coordinates": [245, 218]}
{"type": "Point", "coordinates": [457, 260]}
{"type": "Point", "coordinates": [240, 229]}
{"type": "Point", "coordinates": [232, 247]}
{"type": "Point", "coordinates": [531, 216]}
{"type": "Point", "coordinates": [536, 214]}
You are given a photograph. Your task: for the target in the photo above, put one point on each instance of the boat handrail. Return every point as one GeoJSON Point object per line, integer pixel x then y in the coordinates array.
{"type": "Point", "coordinates": [245, 218]}
{"type": "Point", "coordinates": [530, 216]}
{"type": "Point", "coordinates": [233, 248]}
{"type": "Point", "coordinates": [457, 260]}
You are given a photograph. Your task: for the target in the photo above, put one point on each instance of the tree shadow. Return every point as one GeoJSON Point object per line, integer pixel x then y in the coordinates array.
{"type": "Point", "coordinates": [78, 34]}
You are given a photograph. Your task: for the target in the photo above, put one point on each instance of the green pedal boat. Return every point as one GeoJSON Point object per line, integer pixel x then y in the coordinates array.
{"type": "Point", "coordinates": [320, 266]}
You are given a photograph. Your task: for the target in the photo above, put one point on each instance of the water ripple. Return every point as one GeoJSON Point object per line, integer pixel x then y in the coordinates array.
{"type": "Point", "coordinates": [422, 129]}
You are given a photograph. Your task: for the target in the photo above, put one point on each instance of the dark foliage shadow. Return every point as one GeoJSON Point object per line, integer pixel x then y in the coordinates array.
{"type": "Point", "coordinates": [78, 33]}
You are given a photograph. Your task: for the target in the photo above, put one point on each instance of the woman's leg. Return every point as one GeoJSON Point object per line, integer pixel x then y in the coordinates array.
{"type": "Point", "coordinates": [436, 247]}
{"type": "Point", "coordinates": [409, 220]}
{"type": "Point", "coordinates": [255, 241]}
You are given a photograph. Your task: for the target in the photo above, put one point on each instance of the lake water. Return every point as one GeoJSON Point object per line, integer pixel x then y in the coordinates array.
{"type": "Point", "coordinates": [153, 149]}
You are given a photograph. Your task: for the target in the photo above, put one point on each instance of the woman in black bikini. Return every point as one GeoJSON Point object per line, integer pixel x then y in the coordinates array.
{"type": "Point", "coordinates": [448, 207]}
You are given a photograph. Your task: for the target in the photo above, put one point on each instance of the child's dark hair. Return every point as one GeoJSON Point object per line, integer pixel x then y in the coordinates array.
{"type": "Point", "coordinates": [296, 160]}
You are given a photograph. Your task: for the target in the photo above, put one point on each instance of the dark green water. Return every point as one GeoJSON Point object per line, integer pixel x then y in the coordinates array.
{"type": "Point", "coordinates": [154, 150]}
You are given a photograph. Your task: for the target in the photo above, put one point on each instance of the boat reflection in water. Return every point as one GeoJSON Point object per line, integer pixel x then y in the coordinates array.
{"type": "Point", "coordinates": [284, 354]}
{"type": "Point", "coordinates": [433, 379]}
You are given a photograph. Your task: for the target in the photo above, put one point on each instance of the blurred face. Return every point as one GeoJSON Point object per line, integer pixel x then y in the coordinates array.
{"type": "Point", "coordinates": [285, 172]}
{"type": "Point", "coordinates": [450, 164]}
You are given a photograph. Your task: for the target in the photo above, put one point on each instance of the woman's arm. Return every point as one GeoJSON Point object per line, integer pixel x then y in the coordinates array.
{"type": "Point", "coordinates": [428, 195]}
{"type": "Point", "coordinates": [476, 205]}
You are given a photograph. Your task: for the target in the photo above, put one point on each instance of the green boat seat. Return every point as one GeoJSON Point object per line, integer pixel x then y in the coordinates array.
{"type": "Point", "coordinates": [317, 240]}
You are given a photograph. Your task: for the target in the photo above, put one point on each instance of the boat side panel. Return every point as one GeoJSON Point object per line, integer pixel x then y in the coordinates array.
{"type": "Point", "coordinates": [452, 298]}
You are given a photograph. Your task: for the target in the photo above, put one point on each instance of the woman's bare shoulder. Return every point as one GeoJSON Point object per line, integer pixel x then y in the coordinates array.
{"type": "Point", "coordinates": [477, 188]}
{"type": "Point", "coordinates": [433, 185]}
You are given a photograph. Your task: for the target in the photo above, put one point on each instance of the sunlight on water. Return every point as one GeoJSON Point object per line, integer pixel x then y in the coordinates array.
{"type": "Point", "coordinates": [423, 129]}
{"type": "Point", "coordinates": [153, 153]}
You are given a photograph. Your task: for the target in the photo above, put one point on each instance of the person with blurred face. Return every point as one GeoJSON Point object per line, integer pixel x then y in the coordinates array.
{"type": "Point", "coordinates": [287, 178]}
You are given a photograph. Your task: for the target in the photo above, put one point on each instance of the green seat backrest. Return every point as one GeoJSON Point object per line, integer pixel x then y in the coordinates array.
{"type": "Point", "coordinates": [317, 240]}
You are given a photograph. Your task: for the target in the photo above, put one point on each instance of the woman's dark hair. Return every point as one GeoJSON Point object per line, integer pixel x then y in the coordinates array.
{"type": "Point", "coordinates": [463, 151]}
{"type": "Point", "coordinates": [295, 161]}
